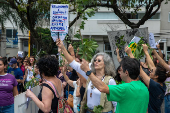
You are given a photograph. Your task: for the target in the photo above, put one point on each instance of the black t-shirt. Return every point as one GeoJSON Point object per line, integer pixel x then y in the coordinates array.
{"type": "Point", "coordinates": [72, 77]}
{"type": "Point", "coordinates": [156, 96]}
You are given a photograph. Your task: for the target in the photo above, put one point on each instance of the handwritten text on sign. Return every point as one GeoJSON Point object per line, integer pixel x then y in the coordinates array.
{"type": "Point", "coordinates": [59, 18]}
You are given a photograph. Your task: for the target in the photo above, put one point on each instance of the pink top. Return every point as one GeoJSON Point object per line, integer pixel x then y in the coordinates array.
{"type": "Point", "coordinates": [23, 69]}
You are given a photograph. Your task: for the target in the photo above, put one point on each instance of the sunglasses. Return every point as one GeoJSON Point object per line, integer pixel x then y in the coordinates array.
{"type": "Point", "coordinates": [25, 61]}
{"type": "Point", "coordinates": [97, 60]}
{"type": "Point", "coordinates": [31, 59]}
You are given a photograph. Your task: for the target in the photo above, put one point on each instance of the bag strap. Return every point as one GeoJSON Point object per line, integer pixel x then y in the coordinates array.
{"type": "Point", "coordinates": [54, 88]}
{"type": "Point", "coordinates": [68, 88]}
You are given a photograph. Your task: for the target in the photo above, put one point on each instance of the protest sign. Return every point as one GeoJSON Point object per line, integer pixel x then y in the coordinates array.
{"type": "Point", "coordinates": [152, 40]}
{"type": "Point", "coordinates": [24, 105]}
{"type": "Point", "coordinates": [128, 34]}
{"type": "Point", "coordinates": [54, 35]}
{"type": "Point", "coordinates": [158, 42]}
{"type": "Point", "coordinates": [59, 20]}
{"type": "Point", "coordinates": [20, 54]}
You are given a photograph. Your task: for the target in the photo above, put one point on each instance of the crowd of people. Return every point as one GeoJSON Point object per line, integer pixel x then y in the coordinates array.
{"type": "Point", "coordinates": [134, 87]}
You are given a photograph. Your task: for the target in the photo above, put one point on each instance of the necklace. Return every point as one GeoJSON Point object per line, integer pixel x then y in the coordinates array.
{"type": "Point", "coordinates": [93, 87]}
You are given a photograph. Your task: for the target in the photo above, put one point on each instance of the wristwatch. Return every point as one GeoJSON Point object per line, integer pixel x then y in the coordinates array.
{"type": "Point", "coordinates": [88, 73]}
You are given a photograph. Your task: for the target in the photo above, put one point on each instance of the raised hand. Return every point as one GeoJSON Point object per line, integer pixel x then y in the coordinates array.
{"type": "Point", "coordinates": [60, 44]}
{"type": "Point", "coordinates": [117, 50]}
{"type": "Point", "coordinates": [71, 49]}
{"type": "Point", "coordinates": [128, 50]}
{"type": "Point", "coordinates": [63, 70]}
{"type": "Point", "coordinates": [158, 46]}
{"type": "Point", "coordinates": [145, 47]}
{"type": "Point", "coordinates": [84, 65]}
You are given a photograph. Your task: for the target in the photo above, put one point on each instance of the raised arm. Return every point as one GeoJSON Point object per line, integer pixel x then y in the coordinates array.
{"type": "Point", "coordinates": [160, 52]}
{"type": "Point", "coordinates": [70, 82]}
{"type": "Point", "coordinates": [118, 57]}
{"type": "Point", "coordinates": [75, 65]}
{"type": "Point", "coordinates": [71, 50]}
{"type": "Point", "coordinates": [83, 80]}
{"type": "Point", "coordinates": [161, 61]}
{"type": "Point", "coordinates": [68, 57]}
{"type": "Point", "coordinates": [143, 75]}
{"type": "Point", "coordinates": [148, 58]}
{"type": "Point", "coordinates": [78, 88]}
{"type": "Point", "coordinates": [101, 86]}
{"type": "Point", "coordinates": [129, 52]}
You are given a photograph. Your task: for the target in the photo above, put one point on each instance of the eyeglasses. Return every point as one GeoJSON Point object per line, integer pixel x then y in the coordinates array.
{"type": "Point", "coordinates": [97, 60]}
{"type": "Point", "coordinates": [25, 61]}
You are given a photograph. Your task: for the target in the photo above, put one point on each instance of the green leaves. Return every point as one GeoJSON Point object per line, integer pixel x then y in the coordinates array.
{"type": "Point", "coordinates": [120, 42]}
{"type": "Point", "coordinates": [87, 49]}
{"type": "Point", "coordinates": [33, 82]}
{"type": "Point", "coordinates": [98, 109]}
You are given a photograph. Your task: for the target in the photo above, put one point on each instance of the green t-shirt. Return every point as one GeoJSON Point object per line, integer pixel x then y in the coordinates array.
{"type": "Point", "coordinates": [131, 97]}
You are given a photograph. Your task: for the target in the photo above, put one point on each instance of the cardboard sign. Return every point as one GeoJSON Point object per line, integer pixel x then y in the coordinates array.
{"type": "Point", "coordinates": [20, 54]}
{"type": "Point", "coordinates": [152, 40]}
{"type": "Point", "coordinates": [24, 105]}
{"type": "Point", "coordinates": [114, 37]}
{"type": "Point", "coordinates": [59, 20]}
{"type": "Point", "coordinates": [54, 35]}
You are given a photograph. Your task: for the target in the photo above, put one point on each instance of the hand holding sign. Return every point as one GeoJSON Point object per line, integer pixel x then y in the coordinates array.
{"type": "Point", "coordinates": [145, 47]}
{"type": "Point", "coordinates": [133, 43]}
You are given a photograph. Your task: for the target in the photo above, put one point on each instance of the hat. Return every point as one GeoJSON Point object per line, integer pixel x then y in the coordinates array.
{"type": "Point", "coordinates": [12, 61]}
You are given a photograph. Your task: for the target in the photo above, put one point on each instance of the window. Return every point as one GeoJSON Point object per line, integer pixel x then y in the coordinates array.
{"type": "Point", "coordinates": [11, 38]}
{"type": "Point", "coordinates": [11, 33]}
{"type": "Point", "coordinates": [107, 48]}
{"type": "Point", "coordinates": [161, 46]}
{"type": "Point", "coordinates": [104, 16]}
{"type": "Point", "coordinates": [169, 17]}
{"type": "Point", "coordinates": [26, 43]}
{"type": "Point", "coordinates": [113, 16]}
{"type": "Point", "coordinates": [168, 48]}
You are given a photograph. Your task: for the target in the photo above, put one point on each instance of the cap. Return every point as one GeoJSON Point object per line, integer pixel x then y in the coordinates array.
{"type": "Point", "coordinates": [12, 61]}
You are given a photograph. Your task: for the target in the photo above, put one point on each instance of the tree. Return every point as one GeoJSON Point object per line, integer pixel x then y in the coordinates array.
{"type": "Point", "coordinates": [28, 14]}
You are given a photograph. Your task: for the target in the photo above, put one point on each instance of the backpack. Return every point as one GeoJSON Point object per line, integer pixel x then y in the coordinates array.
{"type": "Point", "coordinates": [63, 106]}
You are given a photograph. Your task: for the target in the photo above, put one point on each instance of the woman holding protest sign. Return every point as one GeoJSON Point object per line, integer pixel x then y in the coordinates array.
{"type": "Point", "coordinates": [103, 68]}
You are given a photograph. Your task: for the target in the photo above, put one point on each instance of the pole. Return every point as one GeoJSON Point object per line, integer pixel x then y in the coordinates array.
{"type": "Point", "coordinates": [29, 44]}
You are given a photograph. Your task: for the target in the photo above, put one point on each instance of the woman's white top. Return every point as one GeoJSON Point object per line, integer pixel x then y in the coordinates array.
{"type": "Point", "coordinates": [95, 99]}
{"type": "Point", "coordinates": [76, 100]}
{"type": "Point", "coordinates": [29, 75]}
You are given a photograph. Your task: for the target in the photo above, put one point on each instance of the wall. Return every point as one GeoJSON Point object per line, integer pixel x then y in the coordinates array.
{"type": "Point", "coordinates": [165, 10]}
{"type": "Point", "coordinates": [11, 52]}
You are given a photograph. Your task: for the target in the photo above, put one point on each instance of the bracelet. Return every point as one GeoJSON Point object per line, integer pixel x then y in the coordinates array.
{"type": "Point", "coordinates": [72, 55]}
